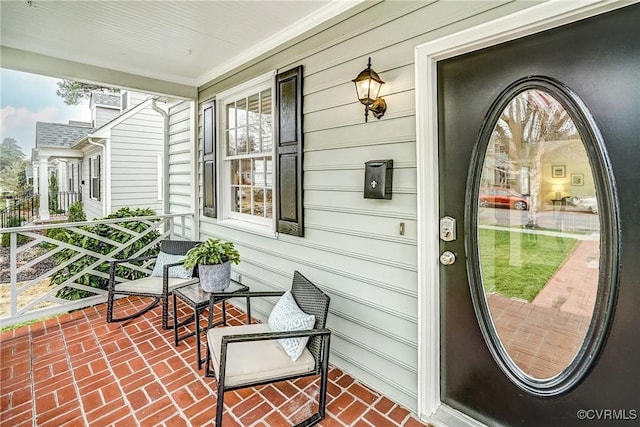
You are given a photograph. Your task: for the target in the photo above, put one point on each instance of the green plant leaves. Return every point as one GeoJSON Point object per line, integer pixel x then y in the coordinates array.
{"type": "Point", "coordinates": [115, 235]}
{"type": "Point", "coordinates": [211, 251]}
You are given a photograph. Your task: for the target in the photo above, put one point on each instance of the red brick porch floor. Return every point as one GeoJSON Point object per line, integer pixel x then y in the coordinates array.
{"type": "Point", "coordinates": [77, 370]}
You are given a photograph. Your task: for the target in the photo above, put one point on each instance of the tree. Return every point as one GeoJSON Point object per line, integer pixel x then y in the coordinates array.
{"type": "Point", "coordinates": [13, 178]}
{"type": "Point", "coordinates": [73, 92]}
{"type": "Point", "coordinates": [10, 153]}
{"type": "Point", "coordinates": [53, 193]}
{"type": "Point", "coordinates": [12, 166]}
{"type": "Point", "coordinates": [532, 120]}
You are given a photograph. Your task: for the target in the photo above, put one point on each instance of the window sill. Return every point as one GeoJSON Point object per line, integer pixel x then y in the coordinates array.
{"type": "Point", "coordinates": [248, 227]}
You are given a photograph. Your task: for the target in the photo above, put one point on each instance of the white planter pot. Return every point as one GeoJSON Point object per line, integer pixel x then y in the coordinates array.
{"type": "Point", "coordinates": [215, 277]}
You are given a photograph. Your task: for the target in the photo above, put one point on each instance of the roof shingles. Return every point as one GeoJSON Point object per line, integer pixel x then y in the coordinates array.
{"type": "Point", "coordinates": [60, 134]}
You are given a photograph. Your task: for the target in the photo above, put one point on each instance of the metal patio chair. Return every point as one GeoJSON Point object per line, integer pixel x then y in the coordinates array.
{"type": "Point", "coordinates": [249, 355]}
{"type": "Point", "coordinates": [157, 287]}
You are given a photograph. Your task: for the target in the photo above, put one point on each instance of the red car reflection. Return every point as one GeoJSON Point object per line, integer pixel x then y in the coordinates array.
{"type": "Point", "coordinates": [503, 198]}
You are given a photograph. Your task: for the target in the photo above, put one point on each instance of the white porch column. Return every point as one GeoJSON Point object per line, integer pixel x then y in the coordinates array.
{"type": "Point", "coordinates": [63, 176]}
{"type": "Point", "coordinates": [43, 187]}
{"type": "Point", "coordinates": [36, 177]}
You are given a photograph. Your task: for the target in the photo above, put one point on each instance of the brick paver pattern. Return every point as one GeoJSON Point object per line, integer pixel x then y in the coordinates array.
{"type": "Point", "coordinates": [77, 370]}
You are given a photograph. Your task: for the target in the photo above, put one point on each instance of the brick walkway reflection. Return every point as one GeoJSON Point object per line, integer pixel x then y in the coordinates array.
{"type": "Point", "coordinates": [542, 337]}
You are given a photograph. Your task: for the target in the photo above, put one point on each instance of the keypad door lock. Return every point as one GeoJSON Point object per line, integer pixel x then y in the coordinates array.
{"type": "Point", "coordinates": [447, 229]}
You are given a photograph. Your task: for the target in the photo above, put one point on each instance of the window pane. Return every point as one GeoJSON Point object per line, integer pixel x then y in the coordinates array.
{"type": "Point", "coordinates": [231, 116]}
{"type": "Point", "coordinates": [246, 200]}
{"type": "Point", "coordinates": [265, 120]}
{"type": "Point", "coordinates": [241, 141]}
{"type": "Point", "coordinates": [231, 143]}
{"type": "Point", "coordinates": [268, 204]}
{"type": "Point", "coordinates": [254, 139]}
{"type": "Point", "coordinates": [235, 172]}
{"type": "Point", "coordinates": [254, 109]}
{"type": "Point", "coordinates": [258, 172]}
{"type": "Point", "coordinates": [258, 202]}
{"type": "Point", "coordinates": [235, 199]}
{"type": "Point", "coordinates": [246, 172]}
{"type": "Point", "coordinates": [266, 132]}
{"type": "Point", "coordinates": [266, 102]}
{"type": "Point", "coordinates": [241, 114]}
{"type": "Point", "coordinates": [269, 172]}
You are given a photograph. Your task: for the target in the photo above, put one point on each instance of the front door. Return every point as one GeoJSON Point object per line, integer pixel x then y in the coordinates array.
{"type": "Point", "coordinates": [539, 148]}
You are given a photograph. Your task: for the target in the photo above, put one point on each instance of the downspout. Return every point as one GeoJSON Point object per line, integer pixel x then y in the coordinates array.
{"type": "Point", "coordinates": [165, 155]}
{"type": "Point", "coordinates": [107, 182]}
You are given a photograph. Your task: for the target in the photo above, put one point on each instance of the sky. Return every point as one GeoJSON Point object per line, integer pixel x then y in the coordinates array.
{"type": "Point", "coordinates": [30, 98]}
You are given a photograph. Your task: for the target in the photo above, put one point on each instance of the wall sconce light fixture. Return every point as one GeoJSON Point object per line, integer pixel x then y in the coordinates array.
{"type": "Point", "coordinates": [368, 85]}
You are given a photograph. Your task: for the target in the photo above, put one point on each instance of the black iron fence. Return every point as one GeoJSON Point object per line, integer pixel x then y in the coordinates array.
{"type": "Point", "coordinates": [19, 210]}
{"type": "Point", "coordinates": [59, 202]}
{"type": "Point", "coordinates": [24, 208]}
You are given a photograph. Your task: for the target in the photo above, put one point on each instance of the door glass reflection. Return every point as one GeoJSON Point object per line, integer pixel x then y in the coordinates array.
{"type": "Point", "coordinates": [538, 234]}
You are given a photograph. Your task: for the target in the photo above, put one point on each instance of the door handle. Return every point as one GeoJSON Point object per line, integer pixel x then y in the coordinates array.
{"type": "Point", "coordinates": [447, 258]}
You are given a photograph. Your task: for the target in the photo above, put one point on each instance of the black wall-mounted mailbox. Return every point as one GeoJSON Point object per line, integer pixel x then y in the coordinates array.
{"type": "Point", "coordinates": [378, 179]}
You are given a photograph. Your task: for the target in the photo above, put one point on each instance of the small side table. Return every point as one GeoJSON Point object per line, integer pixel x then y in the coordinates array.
{"type": "Point", "coordinates": [198, 300]}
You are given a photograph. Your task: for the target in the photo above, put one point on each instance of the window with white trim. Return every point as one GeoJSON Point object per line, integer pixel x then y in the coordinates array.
{"type": "Point", "coordinates": [252, 154]}
{"type": "Point", "coordinates": [246, 133]}
{"type": "Point", "coordinates": [94, 177]}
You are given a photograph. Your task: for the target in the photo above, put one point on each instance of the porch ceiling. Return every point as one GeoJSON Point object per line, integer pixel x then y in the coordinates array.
{"type": "Point", "coordinates": [186, 43]}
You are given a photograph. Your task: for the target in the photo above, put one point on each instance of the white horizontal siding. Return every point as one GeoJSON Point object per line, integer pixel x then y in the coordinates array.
{"type": "Point", "coordinates": [103, 115]}
{"type": "Point", "coordinates": [352, 246]}
{"type": "Point", "coordinates": [136, 144]}
{"type": "Point", "coordinates": [180, 155]}
{"type": "Point", "coordinates": [92, 208]}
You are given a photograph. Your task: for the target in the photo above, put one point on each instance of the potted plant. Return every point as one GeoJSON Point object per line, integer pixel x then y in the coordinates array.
{"type": "Point", "coordinates": [213, 258]}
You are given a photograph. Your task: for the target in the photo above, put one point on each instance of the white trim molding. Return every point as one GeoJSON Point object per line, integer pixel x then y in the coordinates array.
{"type": "Point", "coordinates": [529, 21]}
{"type": "Point", "coordinates": [324, 14]}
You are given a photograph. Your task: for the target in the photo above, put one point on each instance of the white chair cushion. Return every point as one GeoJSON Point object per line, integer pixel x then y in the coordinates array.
{"type": "Point", "coordinates": [287, 316]}
{"type": "Point", "coordinates": [249, 362]}
{"type": "Point", "coordinates": [151, 285]}
{"type": "Point", "coordinates": [176, 271]}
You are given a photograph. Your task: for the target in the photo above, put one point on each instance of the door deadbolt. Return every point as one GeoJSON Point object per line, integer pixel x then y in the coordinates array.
{"type": "Point", "coordinates": [447, 229]}
{"type": "Point", "coordinates": [447, 258]}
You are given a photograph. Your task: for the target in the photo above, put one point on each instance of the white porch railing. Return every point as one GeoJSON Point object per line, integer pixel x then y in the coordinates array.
{"type": "Point", "coordinates": [34, 298]}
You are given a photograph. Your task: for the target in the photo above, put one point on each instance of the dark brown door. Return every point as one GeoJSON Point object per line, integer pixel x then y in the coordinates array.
{"type": "Point", "coordinates": [541, 308]}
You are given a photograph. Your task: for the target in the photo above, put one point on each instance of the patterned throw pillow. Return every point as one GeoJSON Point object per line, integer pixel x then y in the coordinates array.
{"type": "Point", "coordinates": [177, 271]}
{"type": "Point", "coordinates": [287, 316]}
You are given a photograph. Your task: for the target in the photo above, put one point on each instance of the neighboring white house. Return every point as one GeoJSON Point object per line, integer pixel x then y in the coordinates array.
{"type": "Point", "coordinates": [115, 161]}
{"type": "Point", "coordinates": [52, 155]}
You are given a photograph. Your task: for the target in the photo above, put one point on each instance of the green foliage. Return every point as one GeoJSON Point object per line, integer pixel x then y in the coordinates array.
{"type": "Point", "coordinates": [519, 265]}
{"type": "Point", "coordinates": [12, 166]}
{"type": "Point", "coordinates": [76, 213]}
{"type": "Point", "coordinates": [10, 153]}
{"type": "Point", "coordinates": [113, 236]}
{"type": "Point", "coordinates": [13, 221]}
{"type": "Point", "coordinates": [53, 193]}
{"type": "Point", "coordinates": [13, 178]}
{"type": "Point", "coordinates": [73, 92]}
{"type": "Point", "coordinates": [212, 251]}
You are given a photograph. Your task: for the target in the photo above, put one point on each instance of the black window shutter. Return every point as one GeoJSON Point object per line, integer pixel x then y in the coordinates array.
{"type": "Point", "coordinates": [289, 144]}
{"type": "Point", "coordinates": [209, 158]}
{"type": "Point", "coordinates": [90, 178]}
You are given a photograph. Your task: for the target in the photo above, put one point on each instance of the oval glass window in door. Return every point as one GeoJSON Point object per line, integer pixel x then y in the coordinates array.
{"type": "Point", "coordinates": [543, 267]}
